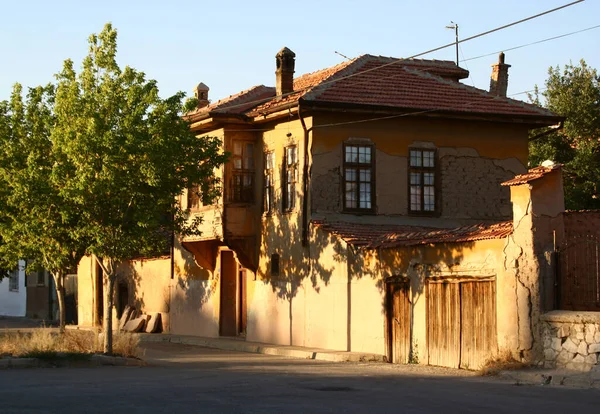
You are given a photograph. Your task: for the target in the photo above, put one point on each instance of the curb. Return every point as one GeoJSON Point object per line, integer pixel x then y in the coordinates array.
{"type": "Point", "coordinates": [285, 351]}
{"type": "Point", "coordinates": [95, 360]}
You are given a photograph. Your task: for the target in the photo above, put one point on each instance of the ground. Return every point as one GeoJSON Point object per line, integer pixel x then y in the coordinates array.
{"type": "Point", "coordinates": [182, 378]}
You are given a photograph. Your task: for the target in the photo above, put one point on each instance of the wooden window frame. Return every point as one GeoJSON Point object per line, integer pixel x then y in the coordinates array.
{"type": "Point", "coordinates": [242, 192]}
{"type": "Point", "coordinates": [193, 198]}
{"type": "Point", "coordinates": [358, 166]}
{"type": "Point", "coordinates": [269, 185]}
{"type": "Point", "coordinates": [289, 195]}
{"type": "Point", "coordinates": [421, 170]}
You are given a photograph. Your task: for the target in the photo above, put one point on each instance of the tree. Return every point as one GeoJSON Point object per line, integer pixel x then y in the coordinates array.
{"type": "Point", "coordinates": [124, 156]}
{"type": "Point", "coordinates": [574, 93]}
{"type": "Point", "coordinates": [36, 222]}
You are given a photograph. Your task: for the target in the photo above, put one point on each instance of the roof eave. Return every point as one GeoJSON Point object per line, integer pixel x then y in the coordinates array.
{"type": "Point", "coordinates": [534, 120]}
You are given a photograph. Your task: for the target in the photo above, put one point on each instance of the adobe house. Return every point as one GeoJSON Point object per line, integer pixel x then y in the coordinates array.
{"type": "Point", "coordinates": [325, 169]}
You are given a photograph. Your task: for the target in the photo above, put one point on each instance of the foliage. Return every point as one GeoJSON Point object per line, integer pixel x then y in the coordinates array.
{"type": "Point", "coordinates": [573, 92]}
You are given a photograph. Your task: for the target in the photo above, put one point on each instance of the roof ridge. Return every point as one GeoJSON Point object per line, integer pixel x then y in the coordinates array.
{"type": "Point", "coordinates": [231, 99]}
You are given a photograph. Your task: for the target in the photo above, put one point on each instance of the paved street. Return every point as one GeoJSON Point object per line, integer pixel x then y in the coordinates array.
{"type": "Point", "coordinates": [184, 378]}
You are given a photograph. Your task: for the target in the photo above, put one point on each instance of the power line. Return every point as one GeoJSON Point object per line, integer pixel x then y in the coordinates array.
{"type": "Point", "coordinates": [258, 101]}
{"type": "Point", "coordinates": [532, 43]}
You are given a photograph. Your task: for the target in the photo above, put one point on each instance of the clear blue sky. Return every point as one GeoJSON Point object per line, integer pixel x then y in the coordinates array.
{"type": "Point", "coordinates": [230, 45]}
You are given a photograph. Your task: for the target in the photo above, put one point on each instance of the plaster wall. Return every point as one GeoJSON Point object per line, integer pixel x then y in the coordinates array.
{"type": "Point", "coordinates": [473, 159]}
{"type": "Point", "coordinates": [13, 303]}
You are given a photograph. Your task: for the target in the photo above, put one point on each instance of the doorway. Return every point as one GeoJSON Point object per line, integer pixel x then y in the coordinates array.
{"type": "Point", "coordinates": [398, 321]}
{"type": "Point", "coordinates": [232, 315]}
{"type": "Point", "coordinates": [99, 297]}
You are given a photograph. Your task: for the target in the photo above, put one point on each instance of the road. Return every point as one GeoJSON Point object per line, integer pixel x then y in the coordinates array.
{"type": "Point", "coordinates": [183, 378]}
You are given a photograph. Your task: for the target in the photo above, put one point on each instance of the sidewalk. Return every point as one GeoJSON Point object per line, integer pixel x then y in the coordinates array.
{"type": "Point", "coordinates": [554, 377]}
{"type": "Point", "coordinates": [231, 344]}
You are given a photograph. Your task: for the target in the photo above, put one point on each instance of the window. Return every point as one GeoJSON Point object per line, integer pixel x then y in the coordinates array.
{"type": "Point", "coordinates": [422, 181]}
{"type": "Point", "coordinates": [41, 278]}
{"type": "Point", "coordinates": [269, 184]}
{"type": "Point", "coordinates": [291, 178]}
{"type": "Point", "coordinates": [275, 264]}
{"type": "Point", "coordinates": [193, 199]}
{"type": "Point", "coordinates": [242, 180]}
{"type": "Point", "coordinates": [13, 280]}
{"type": "Point", "coordinates": [359, 177]}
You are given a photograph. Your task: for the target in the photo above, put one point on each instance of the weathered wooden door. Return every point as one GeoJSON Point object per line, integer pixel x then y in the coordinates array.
{"type": "Point", "coordinates": [443, 323]}
{"type": "Point", "coordinates": [461, 323]}
{"type": "Point", "coordinates": [398, 322]}
{"type": "Point", "coordinates": [228, 306]}
{"type": "Point", "coordinates": [478, 323]}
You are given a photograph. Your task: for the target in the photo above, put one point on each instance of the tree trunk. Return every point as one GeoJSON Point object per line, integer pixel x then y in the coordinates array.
{"type": "Point", "coordinates": [60, 295]}
{"type": "Point", "coordinates": [109, 283]}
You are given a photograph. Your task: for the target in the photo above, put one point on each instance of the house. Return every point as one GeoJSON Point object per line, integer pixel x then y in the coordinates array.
{"type": "Point", "coordinates": [362, 210]}
{"type": "Point", "coordinates": [13, 295]}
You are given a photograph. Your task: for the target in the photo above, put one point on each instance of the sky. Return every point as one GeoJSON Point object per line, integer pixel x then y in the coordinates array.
{"type": "Point", "coordinates": [231, 45]}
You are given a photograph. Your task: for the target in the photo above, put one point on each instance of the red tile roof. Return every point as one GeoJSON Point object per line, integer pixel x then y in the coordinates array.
{"type": "Point", "coordinates": [404, 84]}
{"type": "Point", "coordinates": [381, 236]}
{"type": "Point", "coordinates": [532, 175]}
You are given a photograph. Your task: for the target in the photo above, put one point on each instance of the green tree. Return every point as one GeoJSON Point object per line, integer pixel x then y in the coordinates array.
{"type": "Point", "coordinates": [573, 92]}
{"type": "Point", "coordinates": [36, 222]}
{"type": "Point", "coordinates": [124, 156]}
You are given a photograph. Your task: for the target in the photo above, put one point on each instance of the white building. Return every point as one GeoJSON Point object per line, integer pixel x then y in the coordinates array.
{"type": "Point", "coordinates": [13, 294]}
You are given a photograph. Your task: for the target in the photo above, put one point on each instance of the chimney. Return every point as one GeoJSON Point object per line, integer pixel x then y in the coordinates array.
{"type": "Point", "coordinates": [285, 60]}
{"type": "Point", "coordinates": [201, 94]}
{"type": "Point", "coordinates": [499, 79]}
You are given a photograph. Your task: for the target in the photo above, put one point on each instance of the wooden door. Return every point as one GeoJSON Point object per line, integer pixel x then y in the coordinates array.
{"type": "Point", "coordinates": [478, 323]}
{"type": "Point", "coordinates": [398, 322]}
{"type": "Point", "coordinates": [443, 323]}
{"type": "Point", "coordinates": [228, 306]}
{"type": "Point", "coordinates": [70, 285]}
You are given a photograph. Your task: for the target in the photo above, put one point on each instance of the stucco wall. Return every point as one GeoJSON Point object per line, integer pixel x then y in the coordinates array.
{"type": "Point", "coordinates": [473, 159]}
{"type": "Point", "coordinates": [13, 303]}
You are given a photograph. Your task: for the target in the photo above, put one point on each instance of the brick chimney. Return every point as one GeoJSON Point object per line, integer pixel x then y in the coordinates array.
{"type": "Point", "coordinates": [201, 94]}
{"type": "Point", "coordinates": [499, 79]}
{"type": "Point", "coordinates": [285, 60]}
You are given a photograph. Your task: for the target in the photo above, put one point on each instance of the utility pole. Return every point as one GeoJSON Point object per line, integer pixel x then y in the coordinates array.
{"type": "Point", "coordinates": [454, 26]}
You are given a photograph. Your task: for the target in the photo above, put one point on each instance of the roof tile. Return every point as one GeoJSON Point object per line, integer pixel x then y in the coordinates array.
{"type": "Point", "coordinates": [532, 175]}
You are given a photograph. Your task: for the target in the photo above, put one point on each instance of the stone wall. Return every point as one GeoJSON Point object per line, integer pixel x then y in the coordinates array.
{"type": "Point", "coordinates": [571, 339]}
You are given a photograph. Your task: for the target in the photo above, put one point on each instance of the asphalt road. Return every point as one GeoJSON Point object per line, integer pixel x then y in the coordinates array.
{"type": "Point", "coordinates": [198, 380]}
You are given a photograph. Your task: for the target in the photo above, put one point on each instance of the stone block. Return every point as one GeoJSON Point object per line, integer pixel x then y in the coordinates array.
{"type": "Point", "coordinates": [563, 331]}
{"type": "Point", "coordinates": [597, 337]}
{"type": "Point", "coordinates": [570, 346]}
{"type": "Point", "coordinates": [590, 329]}
{"type": "Point", "coordinates": [564, 357]}
{"type": "Point", "coordinates": [556, 344]}
{"type": "Point", "coordinates": [125, 316]}
{"type": "Point", "coordinates": [593, 348]}
{"type": "Point", "coordinates": [591, 359]}
{"type": "Point", "coordinates": [580, 336]}
{"type": "Point", "coordinates": [582, 349]}
{"type": "Point", "coordinates": [135, 325]}
{"type": "Point", "coordinates": [549, 354]}
{"type": "Point", "coordinates": [578, 359]}
{"type": "Point", "coordinates": [577, 366]}
{"type": "Point", "coordinates": [154, 323]}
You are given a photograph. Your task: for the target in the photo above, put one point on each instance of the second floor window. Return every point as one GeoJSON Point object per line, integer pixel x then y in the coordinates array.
{"type": "Point", "coordinates": [241, 189]}
{"type": "Point", "coordinates": [422, 181]}
{"type": "Point", "coordinates": [290, 178]}
{"type": "Point", "coordinates": [193, 199]}
{"type": "Point", "coordinates": [269, 184]}
{"type": "Point", "coordinates": [358, 177]}
{"type": "Point", "coordinates": [13, 280]}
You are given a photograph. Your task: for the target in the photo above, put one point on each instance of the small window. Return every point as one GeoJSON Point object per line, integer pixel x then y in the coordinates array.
{"type": "Point", "coordinates": [269, 184]}
{"type": "Point", "coordinates": [193, 198]}
{"type": "Point", "coordinates": [359, 178]}
{"type": "Point", "coordinates": [13, 280]}
{"type": "Point", "coordinates": [242, 177]}
{"type": "Point", "coordinates": [41, 278]}
{"type": "Point", "coordinates": [275, 264]}
{"type": "Point", "coordinates": [422, 181]}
